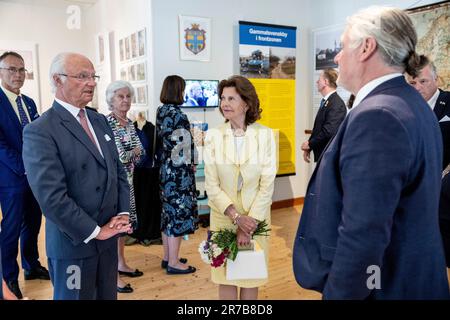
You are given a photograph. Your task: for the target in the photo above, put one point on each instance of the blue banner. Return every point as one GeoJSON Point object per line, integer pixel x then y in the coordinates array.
{"type": "Point", "coordinates": [267, 35]}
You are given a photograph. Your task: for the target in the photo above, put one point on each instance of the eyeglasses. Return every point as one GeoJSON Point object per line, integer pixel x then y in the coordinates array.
{"type": "Point", "coordinates": [82, 77]}
{"type": "Point", "coordinates": [13, 70]}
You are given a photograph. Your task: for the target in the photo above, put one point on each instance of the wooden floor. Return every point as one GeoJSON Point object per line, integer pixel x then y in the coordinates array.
{"type": "Point", "coordinates": [155, 284]}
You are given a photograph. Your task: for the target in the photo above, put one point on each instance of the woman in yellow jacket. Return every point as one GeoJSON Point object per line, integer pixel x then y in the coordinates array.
{"type": "Point", "coordinates": [240, 168]}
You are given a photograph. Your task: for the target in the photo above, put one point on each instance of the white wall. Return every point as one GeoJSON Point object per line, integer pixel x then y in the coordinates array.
{"type": "Point", "coordinates": [42, 22]}
{"type": "Point", "coordinates": [123, 17]}
{"type": "Point", "coordinates": [224, 57]}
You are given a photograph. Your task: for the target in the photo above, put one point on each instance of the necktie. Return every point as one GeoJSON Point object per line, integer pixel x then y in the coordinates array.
{"type": "Point", "coordinates": [322, 102]}
{"type": "Point", "coordinates": [84, 124]}
{"type": "Point", "coordinates": [22, 115]}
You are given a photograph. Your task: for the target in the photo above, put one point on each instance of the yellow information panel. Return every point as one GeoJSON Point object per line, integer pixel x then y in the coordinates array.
{"type": "Point", "coordinates": [277, 99]}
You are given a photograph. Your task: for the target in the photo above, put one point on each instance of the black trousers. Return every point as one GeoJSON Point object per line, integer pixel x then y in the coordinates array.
{"type": "Point", "coordinates": [148, 203]}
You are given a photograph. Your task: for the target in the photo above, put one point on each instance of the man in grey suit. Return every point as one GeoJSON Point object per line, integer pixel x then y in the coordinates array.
{"type": "Point", "coordinates": [74, 171]}
{"type": "Point", "coordinates": [369, 227]}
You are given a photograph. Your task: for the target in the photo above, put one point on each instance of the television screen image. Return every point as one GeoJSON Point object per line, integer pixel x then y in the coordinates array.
{"type": "Point", "coordinates": [201, 94]}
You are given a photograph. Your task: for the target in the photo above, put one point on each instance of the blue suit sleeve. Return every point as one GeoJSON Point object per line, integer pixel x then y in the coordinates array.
{"type": "Point", "coordinates": [374, 168]}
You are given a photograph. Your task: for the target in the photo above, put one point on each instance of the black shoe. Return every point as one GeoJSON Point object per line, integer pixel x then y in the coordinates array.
{"type": "Point", "coordinates": [165, 264]}
{"type": "Point", "coordinates": [13, 286]}
{"type": "Point", "coordinates": [126, 289]}
{"type": "Point", "coordinates": [171, 270]}
{"type": "Point", "coordinates": [37, 273]}
{"type": "Point", "coordinates": [134, 274]}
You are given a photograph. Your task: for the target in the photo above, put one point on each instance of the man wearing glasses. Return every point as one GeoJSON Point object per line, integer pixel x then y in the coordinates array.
{"type": "Point", "coordinates": [75, 173]}
{"type": "Point", "coordinates": [21, 213]}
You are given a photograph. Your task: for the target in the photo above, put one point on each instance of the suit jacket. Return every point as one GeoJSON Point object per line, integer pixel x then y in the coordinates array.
{"type": "Point", "coordinates": [257, 166]}
{"type": "Point", "coordinates": [12, 171]}
{"type": "Point", "coordinates": [76, 188]}
{"type": "Point", "coordinates": [442, 109]}
{"type": "Point", "coordinates": [327, 122]}
{"type": "Point", "coordinates": [373, 201]}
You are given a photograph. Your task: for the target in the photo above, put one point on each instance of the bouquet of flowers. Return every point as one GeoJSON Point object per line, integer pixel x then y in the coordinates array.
{"type": "Point", "coordinates": [222, 245]}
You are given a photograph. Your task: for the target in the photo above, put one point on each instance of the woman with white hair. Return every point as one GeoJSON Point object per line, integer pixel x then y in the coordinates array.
{"type": "Point", "coordinates": [119, 95]}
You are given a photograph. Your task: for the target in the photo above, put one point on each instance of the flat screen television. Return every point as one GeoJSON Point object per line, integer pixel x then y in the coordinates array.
{"type": "Point", "coordinates": [201, 94]}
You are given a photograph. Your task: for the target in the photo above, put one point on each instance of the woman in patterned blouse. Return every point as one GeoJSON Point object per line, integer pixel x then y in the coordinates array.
{"type": "Point", "coordinates": [119, 95]}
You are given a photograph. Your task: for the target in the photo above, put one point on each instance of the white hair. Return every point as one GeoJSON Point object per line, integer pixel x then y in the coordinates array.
{"type": "Point", "coordinates": [392, 29]}
{"type": "Point", "coordinates": [113, 87]}
{"type": "Point", "coordinates": [57, 67]}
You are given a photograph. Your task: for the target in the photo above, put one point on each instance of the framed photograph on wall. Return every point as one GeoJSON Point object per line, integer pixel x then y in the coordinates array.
{"type": "Point", "coordinates": [28, 50]}
{"type": "Point", "coordinates": [195, 38]}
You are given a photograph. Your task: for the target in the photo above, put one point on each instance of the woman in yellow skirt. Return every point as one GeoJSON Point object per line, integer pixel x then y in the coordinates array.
{"type": "Point", "coordinates": [240, 168]}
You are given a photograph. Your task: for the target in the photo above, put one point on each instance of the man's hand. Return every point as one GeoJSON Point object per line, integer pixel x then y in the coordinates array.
{"type": "Point", "coordinates": [117, 224]}
{"type": "Point", "coordinates": [305, 146]}
{"type": "Point", "coordinates": [306, 156]}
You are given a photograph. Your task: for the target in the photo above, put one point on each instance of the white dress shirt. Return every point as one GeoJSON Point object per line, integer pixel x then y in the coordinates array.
{"type": "Point", "coordinates": [433, 99]}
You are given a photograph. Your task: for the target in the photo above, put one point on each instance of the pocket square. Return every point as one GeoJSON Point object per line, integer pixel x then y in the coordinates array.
{"type": "Point", "coordinates": [445, 119]}
{"type": "Point", "coordinates": [107, 138]}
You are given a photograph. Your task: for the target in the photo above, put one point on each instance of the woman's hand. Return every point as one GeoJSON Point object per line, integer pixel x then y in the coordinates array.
{"type": "Point", "coordinates": [246, 224]}
{"type": "Point", "coordinates": [242, 237]}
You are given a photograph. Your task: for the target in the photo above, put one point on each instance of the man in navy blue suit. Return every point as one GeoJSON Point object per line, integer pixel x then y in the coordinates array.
{"type": "Point", "coordinates": [74, 170]}
{"type": "Point", "coordinates": [426, 82]}
{"type": "Point", "coordinates": [369, 227]}
{"type": "Point", "coordinates": [21, 213]}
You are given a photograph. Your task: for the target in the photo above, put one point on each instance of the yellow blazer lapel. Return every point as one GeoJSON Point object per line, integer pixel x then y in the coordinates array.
{"type": "Point", "coordinates": [250, 146]}
{"type": "Point", "coordinates": [229, 148]}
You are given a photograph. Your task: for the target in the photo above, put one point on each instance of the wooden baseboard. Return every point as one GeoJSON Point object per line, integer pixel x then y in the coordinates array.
{"type": "Point", "coordinates": [287, 203]}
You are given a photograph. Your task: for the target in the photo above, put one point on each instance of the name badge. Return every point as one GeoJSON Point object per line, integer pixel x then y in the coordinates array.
{"type": "Point", "coordinates": [107, 138]}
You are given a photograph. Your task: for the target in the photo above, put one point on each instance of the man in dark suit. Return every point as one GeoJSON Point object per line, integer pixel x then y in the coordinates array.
{"type": "Point", "coordinates": [369, 227]}
{"type": "Point", "coordinates": [331, 113]}
{"type": "Point", "coordinates": [74, 171]}
{"type": "Point", "coordinates": [426, 82]}
{"type": "Point", "coordinates": [21, 214]}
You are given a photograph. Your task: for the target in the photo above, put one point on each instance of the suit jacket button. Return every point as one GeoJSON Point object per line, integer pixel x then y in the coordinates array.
{"type": "Point", "coordinates": [115, 206]}
{"type": "Point", "coordinates": [84, 166]}
{"type": "Point", "coordinates": [97, 189]}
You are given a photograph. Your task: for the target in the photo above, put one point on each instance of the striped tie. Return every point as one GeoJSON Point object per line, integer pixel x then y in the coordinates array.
{"type": "Point", "coordinates": [22, 114]}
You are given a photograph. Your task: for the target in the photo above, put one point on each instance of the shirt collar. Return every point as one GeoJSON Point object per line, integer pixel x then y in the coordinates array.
{"type": "Point", "coordinates": [72, 109]}
{"type": "Point", "coordinates": [370, 86]}
{"type": "Point", "coordinates": [433, 99]}
{"type": "Point", "coordinates": [328, 95]}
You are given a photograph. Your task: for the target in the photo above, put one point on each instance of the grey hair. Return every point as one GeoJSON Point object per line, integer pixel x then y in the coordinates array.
{"type": "Point", "coordinates": [113, 87]}
{"type": "Point", "coordinates": [57, 67]}
{"type": "Point", "coordinates": [393, 31]}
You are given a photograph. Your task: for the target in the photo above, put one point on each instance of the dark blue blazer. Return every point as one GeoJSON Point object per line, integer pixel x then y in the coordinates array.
{"type": "Point", "coordinates": [76, 188]}
{"type": "Point", "coordinates": [442, 109]}
{"type": "Point", "coordinates": [12, 172]}
{"type": "Point", "coordinates": [373, 201]}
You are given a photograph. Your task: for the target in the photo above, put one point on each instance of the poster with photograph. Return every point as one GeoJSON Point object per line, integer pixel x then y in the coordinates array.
{"type": "Point", "coordinates": [100, 48]}
{"type": "Point", "coordinates": [141, 95]}
{"type": "Point", "coordinates": [142, 43]}
{"type": "Point", "coordinates": [123, 74]}
{"type": "Point", "coordinates": [267, 56]}
{"type": "Point", "coordinates": [132, 73]}
{"type": "Point", "coordinates": [195, 38]}
{"type": "Point", "coordinates": [327, 44]}
{"type": "Point", "coordinates": [28, 51]}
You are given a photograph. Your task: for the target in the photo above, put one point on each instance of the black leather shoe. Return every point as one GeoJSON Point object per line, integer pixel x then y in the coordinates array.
{"type": "Point", "coordinates": [37, 273]}
{"type": "Point", "coordinates": [171, 270]}
{"type": "Point", "coordinates": [13, 286]}
{"type": "Point", "coordinates": [136, 273]}
{"type": "Point", "coordinates": [126, 289]}
{"type": "Point", "coordinates": [165, 264]}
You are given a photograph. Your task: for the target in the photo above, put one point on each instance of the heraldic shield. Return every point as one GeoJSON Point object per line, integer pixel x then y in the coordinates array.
{"type": "Point", "coordinates": [195, 38]}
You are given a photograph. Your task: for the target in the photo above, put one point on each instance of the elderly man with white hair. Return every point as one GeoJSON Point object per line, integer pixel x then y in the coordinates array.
{"type": "Point", "coordinates": [74, 170]}
{"type": "Point", "coordinates": [369, 227]}
{"type": "Point", "coordinates": [119, 95]}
